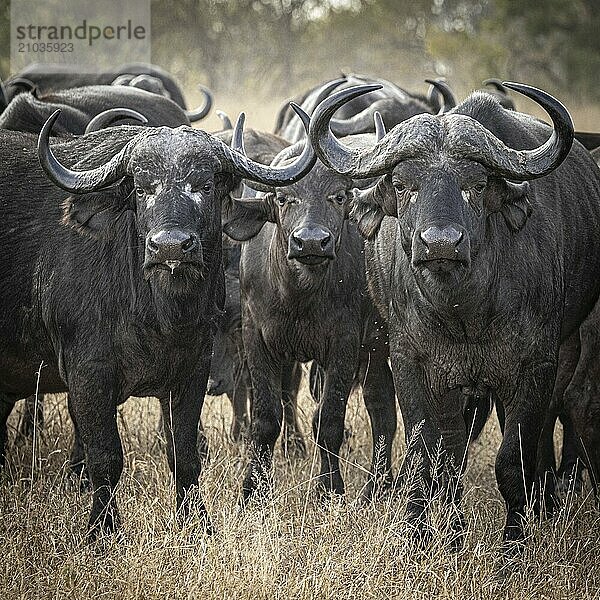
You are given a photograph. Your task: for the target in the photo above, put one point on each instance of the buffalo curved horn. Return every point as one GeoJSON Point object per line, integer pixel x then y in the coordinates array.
{"type": "Point", "coordinates": [3, 97]}
{"type": "Point", "coordinates": [522, 165]}
{"type": "Point", "coordinates": [24, 83]}
{"type": "Point", "coordinates": [497, 84]}
{"type": "Point", "coordinates": [323, 92]}
{"type": "Point", "coordinates": [237, 162]}
{"type": "Point", "coordinates": [199, 113]}
{"type": "Point", "coordinates": [78, 182]}
{"type": "Point", "coordinates": [334, 154]}
{"type": "Point", "coordinates": [466, 138]}
{"type": "Point", "coordinates": [448, 97]}
{"type": "Point", "coordinates": [362, 122]}
{"type": "Point", "coordinates": [108, 117]}
{"type": "Point", "coordinates": [225, 120]}
{"type": "Point", "coordinates": [379, 126]}
{"type": "Point", "coordinates": [237, 139]}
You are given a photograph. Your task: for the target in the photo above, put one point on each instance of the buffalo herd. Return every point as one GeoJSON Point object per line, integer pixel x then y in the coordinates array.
{"type": "Point", "coordinates": [439, 254]}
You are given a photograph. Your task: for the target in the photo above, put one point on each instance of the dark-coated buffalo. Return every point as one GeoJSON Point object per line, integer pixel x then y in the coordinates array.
{"type": "Point", "coordinates": [590, 140]}
{"type": "Point", "coordinates": [33, 415]}
{"type": "Point", "coordinates": [393, 111]}
{"type": "Point", "coordinates": [80, 105]}
{"type": "Point", "coordinates": [500, 92]}
{"type": "Point", "coordinates": [484, 256]}
{"type": "Point", "coordinates": [391, 102]}
{"type": "Point", "coordinates": [581, 402]}
{"type": "Point", "coordinates": [47, 78]}
{"type": "Point", "coordinates": [229, 374]}
{"type": "Point", "coordinates": [304, 298]}
{"type": "Point", "coordinates": [113, 288]}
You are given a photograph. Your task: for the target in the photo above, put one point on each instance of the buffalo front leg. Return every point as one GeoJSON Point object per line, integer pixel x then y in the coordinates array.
{"type": "Point", "coordinates": [329, 418]}
{"type": "Point", "coordinates": [379, 397]}
{"type": "Point", "coordinates": [420, 471]}
{"type": "Point", "coordinates": [240, 396]}
{"type": "Point", "coordinates": [266, 410]}
{"type": "Point", "coordinates": [517, 457]}
{"type": "Point", "coordinates": [293, 440]}
{"type": "Point", "coordinates": [181, 411]}
{"type": "Point", "coordinates": [6, 406]}
{"type": "Point", "coordinates": [96, 419]}
{"type": "Point", "coordinates": [570, 471]}
{"type": "Point", "coordinates": [77, 459]}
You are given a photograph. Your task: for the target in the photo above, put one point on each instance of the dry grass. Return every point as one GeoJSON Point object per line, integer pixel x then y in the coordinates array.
{"type": "Point", "coordinates": [290, 547]}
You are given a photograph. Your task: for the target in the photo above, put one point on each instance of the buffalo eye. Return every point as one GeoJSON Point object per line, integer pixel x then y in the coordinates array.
{"type": "Point", "coordinates": [399, 186]}
{"type": "Point", "coordinates": [281, 199]}
{"type": "Point", "coordinates": [140, 192]}
{"type": "Point", "coordinates": [207, 187]}
{"type": "Point", "coordinates": [478, 188]}
{"type": "Point", "coordinates": [340, 198]}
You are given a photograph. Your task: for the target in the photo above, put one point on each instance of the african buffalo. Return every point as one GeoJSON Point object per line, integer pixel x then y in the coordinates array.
{"type": "Point", "coordinates": [483, 256]}
{"type": "Point", "coordinates": [228, 372]}
{"type": "Point", "coordinates": [581, 399]}
{"type": "Point", "coordinates": [391, 102]}
{"type": "Point", "coordinates": [590, 140]}
{"type": "Point", "coordinates": [79, 105]}
{"type": "Point", "coordinates": [113, 289]}
{"type": "Point", "coordinates": [304, 298]}
{"type": "Point", "coordinates": [500, 92]}
{"type": "Point", "coordinates": [47, 78]}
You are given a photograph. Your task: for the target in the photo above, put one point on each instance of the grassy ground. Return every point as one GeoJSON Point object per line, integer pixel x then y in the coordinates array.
{"type": "Point", "coordinates": [290, 547]}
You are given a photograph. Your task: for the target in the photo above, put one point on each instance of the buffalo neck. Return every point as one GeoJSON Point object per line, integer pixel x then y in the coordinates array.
{"type": "Point", "coordinates": [177, 310]}
{"type": "Point", "coordinates": [464, 303]}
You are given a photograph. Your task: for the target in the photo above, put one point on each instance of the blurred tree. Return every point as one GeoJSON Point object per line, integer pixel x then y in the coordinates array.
{"type": "Point", "coordinates": [281, 46]}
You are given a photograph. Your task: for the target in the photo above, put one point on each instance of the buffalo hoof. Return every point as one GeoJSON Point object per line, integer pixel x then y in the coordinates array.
{"type": "Point", "coordinates": [377, 487]}
{"type": "Point", "coordinates": [570, 481]}
{"type": "Point", "coordinates": [457, 534]}
{"type": "Point", "coordinates": [294, 447]}
{"type": "Point", "coordinates": [513, 537]}
{"type": "Point", "coordinates": [330, 484]}
{"type": "Point", "coordinates": [256, 483]}
{"type": "Point", "coordinates": [106, 524]}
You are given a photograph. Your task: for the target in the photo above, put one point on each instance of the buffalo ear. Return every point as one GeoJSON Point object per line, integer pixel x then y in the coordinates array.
{"type": "Point", "coordinates": [245, 218]}
{"type": "Point", "coordinates": [513, 203]}
{"type": "Point", "coordinates": [95, 214]}
{"type": "Point", "coordinates": [370, 206]}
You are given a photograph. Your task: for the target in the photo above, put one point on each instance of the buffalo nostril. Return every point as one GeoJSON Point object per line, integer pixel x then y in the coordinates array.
{"type": "Point", "coordinates": [152, 245]}
{"type": "Point", "coordinates": [298, 242]}
{"type": "Point", "coordinates": [447, 236]}
{"type": "Point", "coordinates": [325, 241]}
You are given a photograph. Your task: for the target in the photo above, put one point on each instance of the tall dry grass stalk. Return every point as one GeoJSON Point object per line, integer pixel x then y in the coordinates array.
{"type": "Point", "coordinates": [290, 545]}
